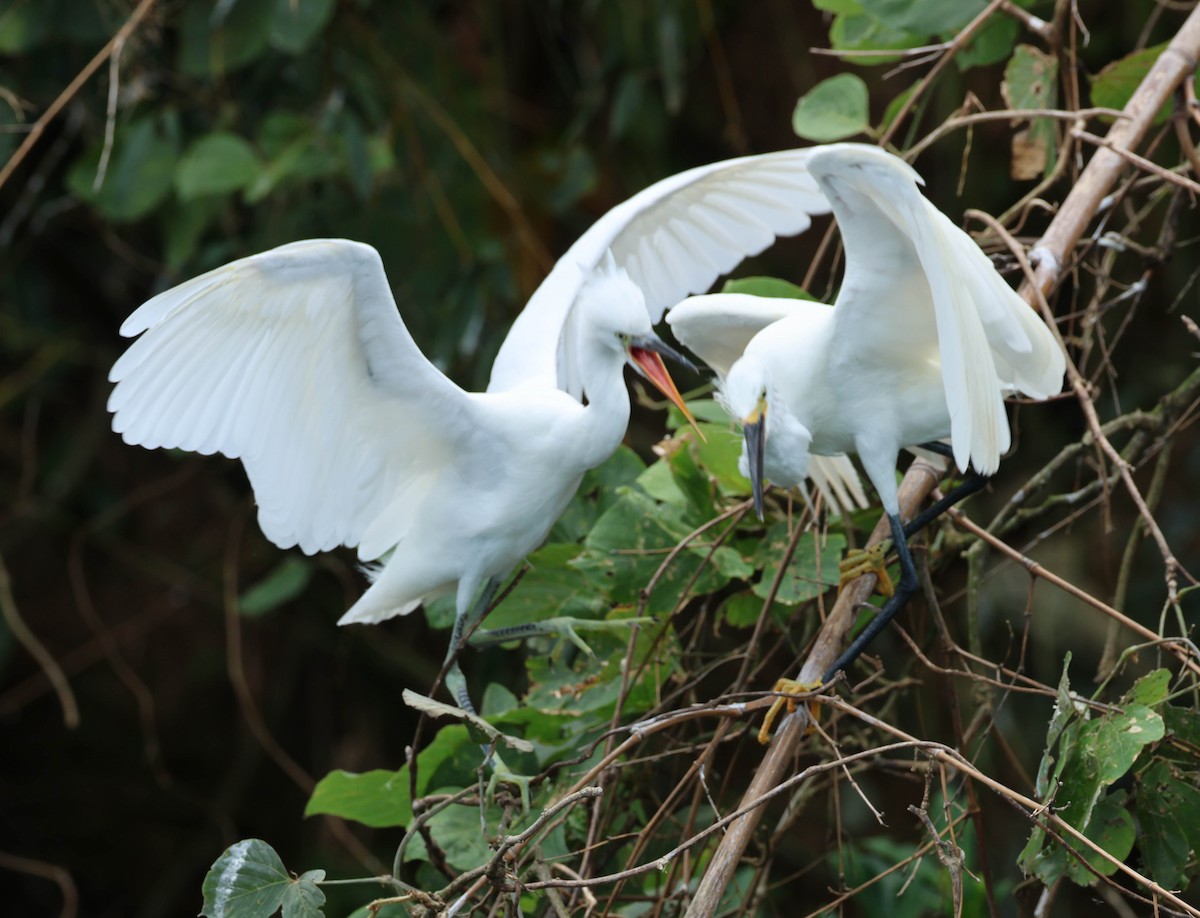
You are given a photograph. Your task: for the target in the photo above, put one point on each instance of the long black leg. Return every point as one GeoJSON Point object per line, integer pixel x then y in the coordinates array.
{"type": "Point", "coordinates": [968, 486]}
{"type": "Point", "coordinates": [456, 682]}
{"type": "Point", "coordinates": [904, 590]}
{"type": "Point", "coordinates": [908, 571]}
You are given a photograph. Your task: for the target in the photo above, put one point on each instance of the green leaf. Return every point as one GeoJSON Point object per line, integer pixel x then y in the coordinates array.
{"type": "Point", "coordinates": [767, 286]}
{"type": "Point", "coordinates": [1182, 723]}
{"type": "Point", "coordinates": [1113, 86]}
{"type": "Point", "coordinates": [741, 610]}
{"type": "Point", "coordinates": [861, 31]}
{"type": "Point", "coordinates": [295, 23]}
{"type": "Point", "coordinates": [138, 175]}
{"type": "Point", "coordinates": [249, 881]}
{"type": "Point", "coordinates": [1151, 689]}
{"type": "Point", "coordinates": [549, 588]}
{"type": "Point", "coordinates": [281, 586]}
{"type": "Point", "coordinates": [1168, 809]}
{"type": "Point", "coordinates": [1110, 827]}
{"type": "Point", "coordinates": [217, 163]}
{"type": "Point", "coordinates": [596, 493]}
{"type": "Point", "coordinates": [459, 833]}
{"type": "Point", "coordinates": [1117, 740]}
{"type": "Point", "coordinates": [212, 46]}
{"type": "Point", "coordinates": [834, 109]}
{"type": "Point", "coordinates": [928, 17]}
{"type": "Point", "coordinates": [376, 798]}
{"type": "Point", "coordinates": [1031, 82]}
{"type": "Point", "coordinates": [991, 44]}
{"type": "Point", "coordinates": [813, 570]}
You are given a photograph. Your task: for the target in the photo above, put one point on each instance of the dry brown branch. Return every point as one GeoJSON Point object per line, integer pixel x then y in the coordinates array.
{"type": "Point", "coordinates": [39, 126]}
{"type": "Point", "coordinates": [1051, 253]}
{"type": "Point", "coordinates": [27, 639]}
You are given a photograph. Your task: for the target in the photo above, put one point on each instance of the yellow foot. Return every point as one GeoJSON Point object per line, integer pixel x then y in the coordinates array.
{"type": "Point", "coordinates": [792, 688]}
{"type": "Point", "coordinates": [859, 561]}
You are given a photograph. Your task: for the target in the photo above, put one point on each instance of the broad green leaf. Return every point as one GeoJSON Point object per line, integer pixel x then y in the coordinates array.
{"type": "Point", "coordinates": [741, 610]}
{"type": "Point", "coordinates": [834, 109]}
{"type": "Point", "coordinates": [303, 898]}
{"type": "Point", "coordinates": [813, 569]}
{"type": "Point", "coordinates": [1183, 724]}
{"type": "Point", "coordinates": [295, 23]}
{"type": "Point", "coordinates": [694, 484]}
{"type": "Point", "coordinates": [282, 585]}
{"type": "Point", "coordinates": [138, 175]}
{"type": "Point", "coordinates": [1151, 689]}
{"type": "Point", "coordinates": [550, 587]}
{"type": "Point", "coordinates": [375, 798]}
{"type": "Point", "coordinates": [1117, 740]}
{"type": "Point", "coordinates": [992, 44]}
{"type": "Point", "coordinates": [1113, 86]}
{"type": "Point", "coordinates": [1168, 809]}
{"type": "Point", "coordinates": [213, 45]}
{"type": "Point", "coordinates": [767, 286]}
{"type": "Point", "coordinates": [928, 17]}
{"type": "Point", "coordinates": [719, 454]}
{"type": "Point", "coordinates": [596, 493]}
{"type": "Point", "coordinates": [1111, 827]}
{"type": "Point", "coordinates": [459, 833]}
{"type": "Point", "coordinates": [863, 32]}
{"type": "Point", "coordinates": [632, 540]}
{"type": "Point", "coordinates": [249, 881]}
{"type": "Point", "coordinates": [1031, 82]}
{"type": "Point", "coordinates": [217, 163]}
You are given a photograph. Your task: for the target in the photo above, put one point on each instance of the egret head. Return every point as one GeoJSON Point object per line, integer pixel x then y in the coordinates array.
{"type": "Point", "coordinates": [746, 394]}
{"type": "Point", "coordinates": [614, 314]}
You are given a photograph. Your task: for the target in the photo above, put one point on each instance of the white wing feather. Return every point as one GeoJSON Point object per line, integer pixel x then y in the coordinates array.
{"type": "Point", "coordinates": [985, 335]}
{"type": "Point", "coordinates": [717, 327]}
{"type": "Point", "coordinates": [674, 238]}
{"type": "Point", "coordinates": [296, 362]}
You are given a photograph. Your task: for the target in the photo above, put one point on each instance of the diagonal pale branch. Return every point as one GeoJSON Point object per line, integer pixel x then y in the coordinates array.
{"type": "Point", "coordinates": [114, 45]}
{"type": "Point", "coordinates": [1177, 62]}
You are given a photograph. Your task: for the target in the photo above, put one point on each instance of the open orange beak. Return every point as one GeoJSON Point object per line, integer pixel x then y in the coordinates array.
{"type": "Point", "coordinates": [644, 356]}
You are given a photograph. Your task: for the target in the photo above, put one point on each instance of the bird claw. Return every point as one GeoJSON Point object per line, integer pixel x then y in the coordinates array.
{"type": "Point", "coordinates": [791, 688]}
{"type": "Point", "coordinates": [859, 561]}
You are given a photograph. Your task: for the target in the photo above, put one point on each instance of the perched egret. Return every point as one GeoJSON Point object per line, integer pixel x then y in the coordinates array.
{"type": "Point", "coordinates": [923, 341]}
{"type": "Point", "coordinates": [296, 361]}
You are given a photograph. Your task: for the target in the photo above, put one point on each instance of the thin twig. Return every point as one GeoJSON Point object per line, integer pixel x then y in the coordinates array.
{"type": "Point", "coordinates": [39, 126]}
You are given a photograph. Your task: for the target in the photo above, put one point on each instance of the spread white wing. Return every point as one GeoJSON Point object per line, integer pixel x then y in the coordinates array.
{"type": "Point", "coordinates": [904, 254]}
{"type": "Point", "coordinates": [296, 362]}
{"type": "Point", "coordinates": [674, 238]}
{"type": "Point", "coordinates": [717, 328]}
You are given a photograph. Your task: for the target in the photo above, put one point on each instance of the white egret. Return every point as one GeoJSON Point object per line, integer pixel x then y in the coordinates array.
{"type": "Point", "coordinates": [923, 341]}
{"type": "Point", "coordinates": [296, 361]}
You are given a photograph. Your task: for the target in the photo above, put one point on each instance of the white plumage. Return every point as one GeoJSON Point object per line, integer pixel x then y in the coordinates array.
{"type": "Point", "coordinates": [296, 362]}
{"type": "Point", "coordinates": [924, 339]}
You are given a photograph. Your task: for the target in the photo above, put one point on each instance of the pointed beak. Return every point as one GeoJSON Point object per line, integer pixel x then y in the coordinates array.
{"type": "Point", "coordinates": [643, 354]}
{"type": "Point", "coordinates": [754, 429]}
